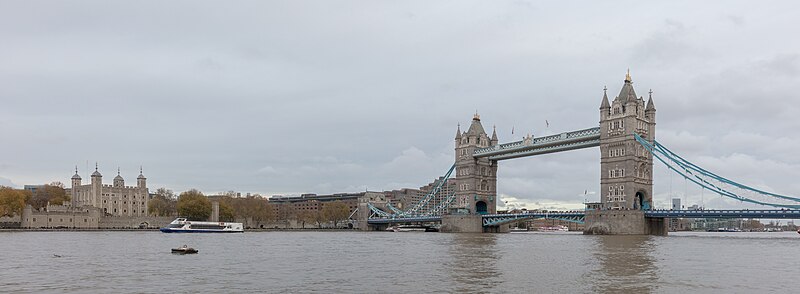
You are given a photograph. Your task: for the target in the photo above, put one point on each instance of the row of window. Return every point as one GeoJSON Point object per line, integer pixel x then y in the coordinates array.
{"type": "Point", "coordinates": [616, 173]}
{"type": "Point", "coordinates": [123, 211]}
{"type": "Point", "coordinates": [123, 196]}
{"type": "Point", "coordinates": [620, 198]}
{"type": "Point", "coordinates": [123, 202]}
{"type": "Point", "coordinates": [616, 152]}
{"type": "Point", "coordinates": [61, 220]}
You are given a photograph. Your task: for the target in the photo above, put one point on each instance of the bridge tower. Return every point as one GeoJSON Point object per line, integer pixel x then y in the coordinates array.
{"type": "Point", "coordinates": [626, 168]}
{"type": "Point", "coordinates": [476, 178]}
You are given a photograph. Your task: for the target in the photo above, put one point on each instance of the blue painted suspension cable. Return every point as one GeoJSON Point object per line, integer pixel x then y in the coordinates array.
{"type": "Point", "coordinates": [701, 182]}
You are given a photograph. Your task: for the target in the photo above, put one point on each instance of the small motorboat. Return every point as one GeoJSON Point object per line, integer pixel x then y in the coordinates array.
{"type": "Point", "coordinates": [184, 250]}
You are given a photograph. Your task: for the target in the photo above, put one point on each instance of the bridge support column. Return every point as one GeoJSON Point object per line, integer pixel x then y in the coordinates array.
{"type": "Point", "coordinates": [623, 222]}
{"type": "Point", "coordinates": [462, 223]}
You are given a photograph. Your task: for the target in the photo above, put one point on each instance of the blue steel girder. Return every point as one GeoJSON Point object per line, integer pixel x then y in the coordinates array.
{"type": "Point", "coordinates": [549, 144]}
{"type": "Point", "coordinates": [725, 213]}
{"type": "Point", "coordinates": [404, 220]}
{"type": "Point", "coordinates": [499, 219]}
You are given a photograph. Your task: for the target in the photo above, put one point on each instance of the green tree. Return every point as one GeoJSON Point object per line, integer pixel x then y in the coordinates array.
{"type": "Point", "coordinates": [12, 201]}
{"type": "Point", "coordinates": [335, 212]}
{"type": "Point", "coordinates": [194, 205]}
{"type": "Point", "coordinates": [226, 213]}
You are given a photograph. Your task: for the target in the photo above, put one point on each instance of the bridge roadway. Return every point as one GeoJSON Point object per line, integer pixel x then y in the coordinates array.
{"type": "Point", "coordinates": [578, 216]}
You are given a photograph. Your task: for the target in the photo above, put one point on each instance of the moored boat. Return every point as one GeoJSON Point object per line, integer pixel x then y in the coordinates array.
{"type": "Point", "coordinates": [411, 228]}
{"type": "Point", "coordinates": [182, 225]}
{"type": "Point", "coordinates": [559, 228]}
{"type": "Point", "coordinates": [185, 250]}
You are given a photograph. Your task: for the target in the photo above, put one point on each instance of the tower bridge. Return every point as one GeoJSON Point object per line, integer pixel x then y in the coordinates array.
{"type": "Point", "coordinates": [626, 139]}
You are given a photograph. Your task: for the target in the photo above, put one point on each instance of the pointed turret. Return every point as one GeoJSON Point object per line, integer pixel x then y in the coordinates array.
{"type": "Point", "coordinates": [605, 104]}
{"type": "Point", "coordinates": [118, 180]}
{"type": "Point", "coordinates": [76, 176]}
{"type": "Point", "coordinates": [626, 93]}
{"type": "Point", "coordinates": [494, 136]}
{"type": "Point", "coordinates": [96, 173]}
{"type": "Point", "coordinates": [458, 132]}
{"type": "Point", "coordinates": [476, 128]}
{"type": "Point", "coordinates": [141, 181]}
{"type": "Point", "coordinates": [650, 105]}
{"type": "Point", "coordinates": [76, 179]}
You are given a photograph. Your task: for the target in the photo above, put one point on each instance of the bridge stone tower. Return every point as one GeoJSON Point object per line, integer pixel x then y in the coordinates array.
{"type": "Point", "coordinates": [476, 178]}
{"type": "Point", "coordinates": [626, 168]}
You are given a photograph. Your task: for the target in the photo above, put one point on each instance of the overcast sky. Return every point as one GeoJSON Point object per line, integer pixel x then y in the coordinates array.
{"type": "Point", "coordinates": [290, 97]}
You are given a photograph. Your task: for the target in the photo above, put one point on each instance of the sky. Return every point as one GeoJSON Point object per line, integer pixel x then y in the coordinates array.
{"type": "Point", "coordinates": [291, 97]}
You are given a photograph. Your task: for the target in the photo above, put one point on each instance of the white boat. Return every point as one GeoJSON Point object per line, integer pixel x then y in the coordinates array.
{"type": "Point", "coordinates": [181, 225]}
{"type": "Point", "coordinates": [407, 228]}
{"type": "Point", "coordinates": [559, 228]}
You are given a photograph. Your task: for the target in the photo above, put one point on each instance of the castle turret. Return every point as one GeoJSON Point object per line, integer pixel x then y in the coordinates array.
{"type": "Point", "coordinates": [76, 181]}
{"type": "Point", "coordinates": [141, 181]}
{"type": "Point", "coordinates": [97, 185]}
{"type": "Point", "coordinates": [118, 180]}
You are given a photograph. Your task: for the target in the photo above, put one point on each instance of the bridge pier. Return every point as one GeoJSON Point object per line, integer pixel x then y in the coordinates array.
{"type": "Point", "coordinates": [462, 223]}
{"type": "Point", "coordinates": [623, 222]}
{"type": "Point", "coordinates": [469, 223]}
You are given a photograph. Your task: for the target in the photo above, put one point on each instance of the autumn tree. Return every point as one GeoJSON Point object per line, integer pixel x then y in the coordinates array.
{"type": "Point", "coordinates": [226, 212]}
{"type": "Point", "coordinates": [12, 201]}
{"type": "Point", "coordinates": [305, 216]}
{"type": "Point", "coordinates": [335, 212]}
{"type": "Point", "coordinates": [194, 205]}
{"type": "Point", "coordinates": [163, 203]}
{"type": "Point", "coordinates": [53, 193]}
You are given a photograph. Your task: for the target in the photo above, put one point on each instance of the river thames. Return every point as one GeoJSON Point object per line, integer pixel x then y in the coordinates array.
{"type": "Point", "coordinates": [372, 262]}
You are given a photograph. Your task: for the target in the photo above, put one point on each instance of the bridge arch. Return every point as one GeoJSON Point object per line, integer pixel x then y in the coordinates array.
{"type": "Point", "coordinates": [481, 207]}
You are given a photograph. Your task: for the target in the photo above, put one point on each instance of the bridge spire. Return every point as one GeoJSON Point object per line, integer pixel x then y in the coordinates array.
{"type": "Point", "coordinates": [628, 76]}
{"type": "Point", "coordinates": [458, 132]}
{"type": "Point", "coordinates": [605, 104]}
{"type": "Point", "coordinates": [494, 135]}
{"type": "Point", "coordinates": [650, 105]}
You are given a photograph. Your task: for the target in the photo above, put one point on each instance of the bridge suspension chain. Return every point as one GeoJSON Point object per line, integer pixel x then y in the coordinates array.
{"type": "Point", "coordinates": [714, 182]}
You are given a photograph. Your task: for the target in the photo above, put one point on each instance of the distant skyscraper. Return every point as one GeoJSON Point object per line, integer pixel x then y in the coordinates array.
{"type": "Point", "coordinates": [676, 203]}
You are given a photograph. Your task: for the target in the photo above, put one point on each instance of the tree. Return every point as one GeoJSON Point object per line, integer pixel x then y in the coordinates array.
{"type": "Point", "coordinates": [226, 213]}
{"type": "Point", "coordinates": [335, 212]}
{"type": "Point", "coordinates": [316, 216]}
{"type": "Point", "coordinates": [163, 203]}
{"type": "Point", "coordinates": [166, 193]}
{"type": "Point", "coordinates": [52, 193]}
{"type": "Point", "coordinates": [12, 201]}
{"type": "Point", "coordinates": [194, 205]}
{"type": "Point", "coordinates": [305, 216]}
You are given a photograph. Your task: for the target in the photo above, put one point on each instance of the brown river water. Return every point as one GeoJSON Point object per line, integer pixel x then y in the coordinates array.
{"type": "Point", "coordinates": [384, 262]}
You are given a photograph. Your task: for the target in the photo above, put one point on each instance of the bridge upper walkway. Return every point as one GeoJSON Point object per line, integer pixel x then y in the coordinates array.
{"type": "Point", "coordinates": [549, 144]}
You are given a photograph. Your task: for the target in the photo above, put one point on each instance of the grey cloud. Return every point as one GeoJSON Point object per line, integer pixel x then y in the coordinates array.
{"type": "Point", "coordinates": [337, 96]}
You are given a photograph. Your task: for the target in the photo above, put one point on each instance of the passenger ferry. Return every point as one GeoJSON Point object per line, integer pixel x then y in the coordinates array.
{"type": "Point", "coordinates": [181, 225]}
